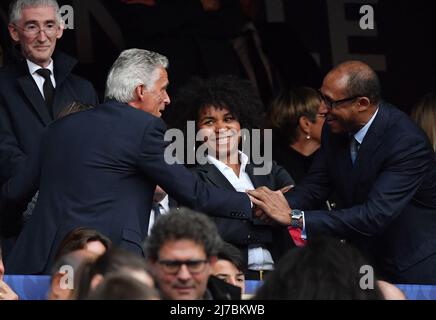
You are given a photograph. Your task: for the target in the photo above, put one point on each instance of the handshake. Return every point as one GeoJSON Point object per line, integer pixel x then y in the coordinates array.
{"type": "Point", "coordinates": [271, 207]}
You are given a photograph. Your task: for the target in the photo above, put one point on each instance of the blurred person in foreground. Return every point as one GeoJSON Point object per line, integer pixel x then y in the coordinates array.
{"type": "Point", "coordinates": [327, 269]}
{"type": "Point", "coordinates": [181, 252]}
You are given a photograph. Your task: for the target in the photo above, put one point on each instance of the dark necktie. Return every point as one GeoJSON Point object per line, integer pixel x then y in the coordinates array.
{"type": "Point", "coordinates": [156, 210]}
{"type": "Point", "coordinates": [354, 148]}
{"type": "Point", "coordinates": [48, 89]}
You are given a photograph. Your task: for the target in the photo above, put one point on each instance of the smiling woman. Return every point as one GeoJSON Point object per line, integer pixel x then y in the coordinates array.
{"type": "Point", "coordinates": [223, 108]}
{"type": "Point", "coordinates": [220, 107]}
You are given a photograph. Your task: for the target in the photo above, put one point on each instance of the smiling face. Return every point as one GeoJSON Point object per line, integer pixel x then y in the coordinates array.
{"type": "Point", "coordinates": [221, 131]}
{"type": "Point", "coordinates": [184, 284]}
{"type": "Point", "coordinates": [38, 47]}
{"type": "Point", "coordinates": [342, 117]}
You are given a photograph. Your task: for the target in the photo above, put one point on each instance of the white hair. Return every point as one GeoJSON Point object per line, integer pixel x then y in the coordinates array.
{"type": "Point", "coordinates": [16, 8]}
{"type": "Point", "coordinates": [133, 67]}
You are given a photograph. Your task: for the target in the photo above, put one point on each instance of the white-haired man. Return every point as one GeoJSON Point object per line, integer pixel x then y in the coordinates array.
{"type": "Point", "coordinates": [100, 168]}
{"type": "Point", "coordinates": [33, 91]}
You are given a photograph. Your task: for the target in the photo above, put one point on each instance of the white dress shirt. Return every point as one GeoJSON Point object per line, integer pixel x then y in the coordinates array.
{"type": "Point", "coordinates": [259, 258]}
{"type": "Point", "coordinates": [164, 208]}
{"type": "Point", "coordinates": [33, 67]}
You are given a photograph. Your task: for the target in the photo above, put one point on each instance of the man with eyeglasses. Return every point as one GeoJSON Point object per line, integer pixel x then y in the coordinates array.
{"type": "Point", "coordinates": [382, 168]}
{"type": "Point", "coordinates": [33, 91]}
{"type": "Point", "coordinates": [182, 250]}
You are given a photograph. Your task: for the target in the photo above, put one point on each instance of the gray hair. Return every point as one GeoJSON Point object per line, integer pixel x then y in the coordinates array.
{"type": "Point", "coordinates": [133, 67]}
{"type": "Point", "coordinates": [183, 224]}
{"type": "Point", "coordinates": [16, 8]}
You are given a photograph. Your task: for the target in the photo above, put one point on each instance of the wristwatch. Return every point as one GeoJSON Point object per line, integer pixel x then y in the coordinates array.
{"type": "Point", "coordinates": [296, 218]}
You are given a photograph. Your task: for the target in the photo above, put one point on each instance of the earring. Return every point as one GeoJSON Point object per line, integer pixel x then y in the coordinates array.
{"type": "Point", "coordinates": [308, 137]}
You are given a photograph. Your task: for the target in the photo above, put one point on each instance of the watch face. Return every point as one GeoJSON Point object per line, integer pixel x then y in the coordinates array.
{"type": "Point", "coordinates": [296, 214]}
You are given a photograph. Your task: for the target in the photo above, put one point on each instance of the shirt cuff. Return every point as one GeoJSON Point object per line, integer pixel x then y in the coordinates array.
{"type": "Point", "coordinates": [303, 231]}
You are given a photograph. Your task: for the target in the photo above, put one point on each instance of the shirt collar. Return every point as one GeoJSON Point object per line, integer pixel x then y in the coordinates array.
{"type": "Point", "coordinates": [221, 166]}
{"type": "Point", "coordinates": [33, 67]}
{"type": "Point", "coordinates": [360, 135]}
{"type": "Point", "coordinates": [165, 202]}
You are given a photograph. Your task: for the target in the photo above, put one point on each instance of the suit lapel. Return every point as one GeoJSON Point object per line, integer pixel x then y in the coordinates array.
{"type": "Point", "coordinates": [371, 143]}
{"type": "Point", "coordinates": [215, 176]}
{"type": "Point", "coordinates": [32, 93]}
{"type": "Point", "coordinates": [257, 180]}
{"type": "Point", "coordinates": [339, 152]}
{"type": "Point", "coordinates": [63, 66]}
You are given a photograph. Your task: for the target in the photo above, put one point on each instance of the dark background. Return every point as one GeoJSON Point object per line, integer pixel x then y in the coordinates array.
{"type": "Point", "coordinates": [197, 42]}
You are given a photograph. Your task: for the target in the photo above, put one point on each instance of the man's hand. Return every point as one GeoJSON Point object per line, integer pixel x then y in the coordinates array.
{"type": "Point", "coordinates": [272, 203]}
{"type": "Point", "coordinates": [6, 293]}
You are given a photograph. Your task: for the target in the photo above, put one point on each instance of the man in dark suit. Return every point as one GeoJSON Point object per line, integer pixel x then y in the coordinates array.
{"type": "Point", "coordinates": [99, 168]}
{"type": "Point", "coordinates": [33, 91]}
{"type": "Point", "coordinates": [382, 167]}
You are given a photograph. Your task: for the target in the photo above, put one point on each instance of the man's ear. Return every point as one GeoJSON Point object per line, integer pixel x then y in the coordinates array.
{"type": "Point", "coordinates": [13, 31]}
{"type": "Point", "coordinates": [364, 103]}
{"type": "Point", "coordinates": [140, 90]}
{"type": "Point", "coordinates": [61, 30]}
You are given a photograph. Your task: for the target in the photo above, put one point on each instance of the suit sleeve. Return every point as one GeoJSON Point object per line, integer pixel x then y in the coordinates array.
{"type": "Point", "coordinates": [391, 192]}
{"type": "Point", "coordinates": [10, 152]}
{"type": "Point", "coordinates": [315, 185]}
{"type": "Point", "coordinates": [23, 184]}
{"type": "Point", "coordinates": [182, 184]}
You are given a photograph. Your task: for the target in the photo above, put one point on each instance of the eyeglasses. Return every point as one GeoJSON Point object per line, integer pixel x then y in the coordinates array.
{"type": "Point", "coordinates": [33, 30]}
{"type": "Point", "coordinates": [173, 266]}
{"type": "Point", "coordinates": [330, 103]}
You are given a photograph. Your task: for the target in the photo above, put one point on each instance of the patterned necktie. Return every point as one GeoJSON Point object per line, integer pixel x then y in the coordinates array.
{"type": "Point", "coordinates": [48, 89]}
{"type": "Point", "coordinates": [354, 148]}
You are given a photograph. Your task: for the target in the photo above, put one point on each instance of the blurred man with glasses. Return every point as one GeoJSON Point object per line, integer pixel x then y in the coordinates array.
{"type": "Point", "coordinates": [383, 169]}
{"type": "Point", "coordinates": [182, 250]}
{"type": "Point", "coordinates": [33, 91]}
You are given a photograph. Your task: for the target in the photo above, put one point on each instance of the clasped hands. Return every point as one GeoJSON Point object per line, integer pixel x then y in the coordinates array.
{"type": "Point", "coordinates": [271, 207]}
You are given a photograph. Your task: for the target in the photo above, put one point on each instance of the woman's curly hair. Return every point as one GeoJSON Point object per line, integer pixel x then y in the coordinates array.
{"type": "Point", "coordinates": [230, 92]}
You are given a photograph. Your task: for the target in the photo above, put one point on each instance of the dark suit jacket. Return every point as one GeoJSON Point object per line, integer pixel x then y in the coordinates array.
{"type": "Point", "coordinates": [99, 168]}
{"type": "Point", "coordinates": [24, 115]}
{"type": "Point", "coordinates": [389, 195]}
{"type": "Point", "coordinates": [241, 232]}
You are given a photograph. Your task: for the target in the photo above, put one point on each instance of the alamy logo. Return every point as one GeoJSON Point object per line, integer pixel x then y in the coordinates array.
{"type": "Point", "coordinates": [367, 20]}
{"type": "Point", "coordinates": [67, 280]}
{"type": "Point", "coordinates": [223, 145]}
{"type": "Point", "coordinates": [367, 279]}
{"type": "Point", "coordinates": [67, 14]}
